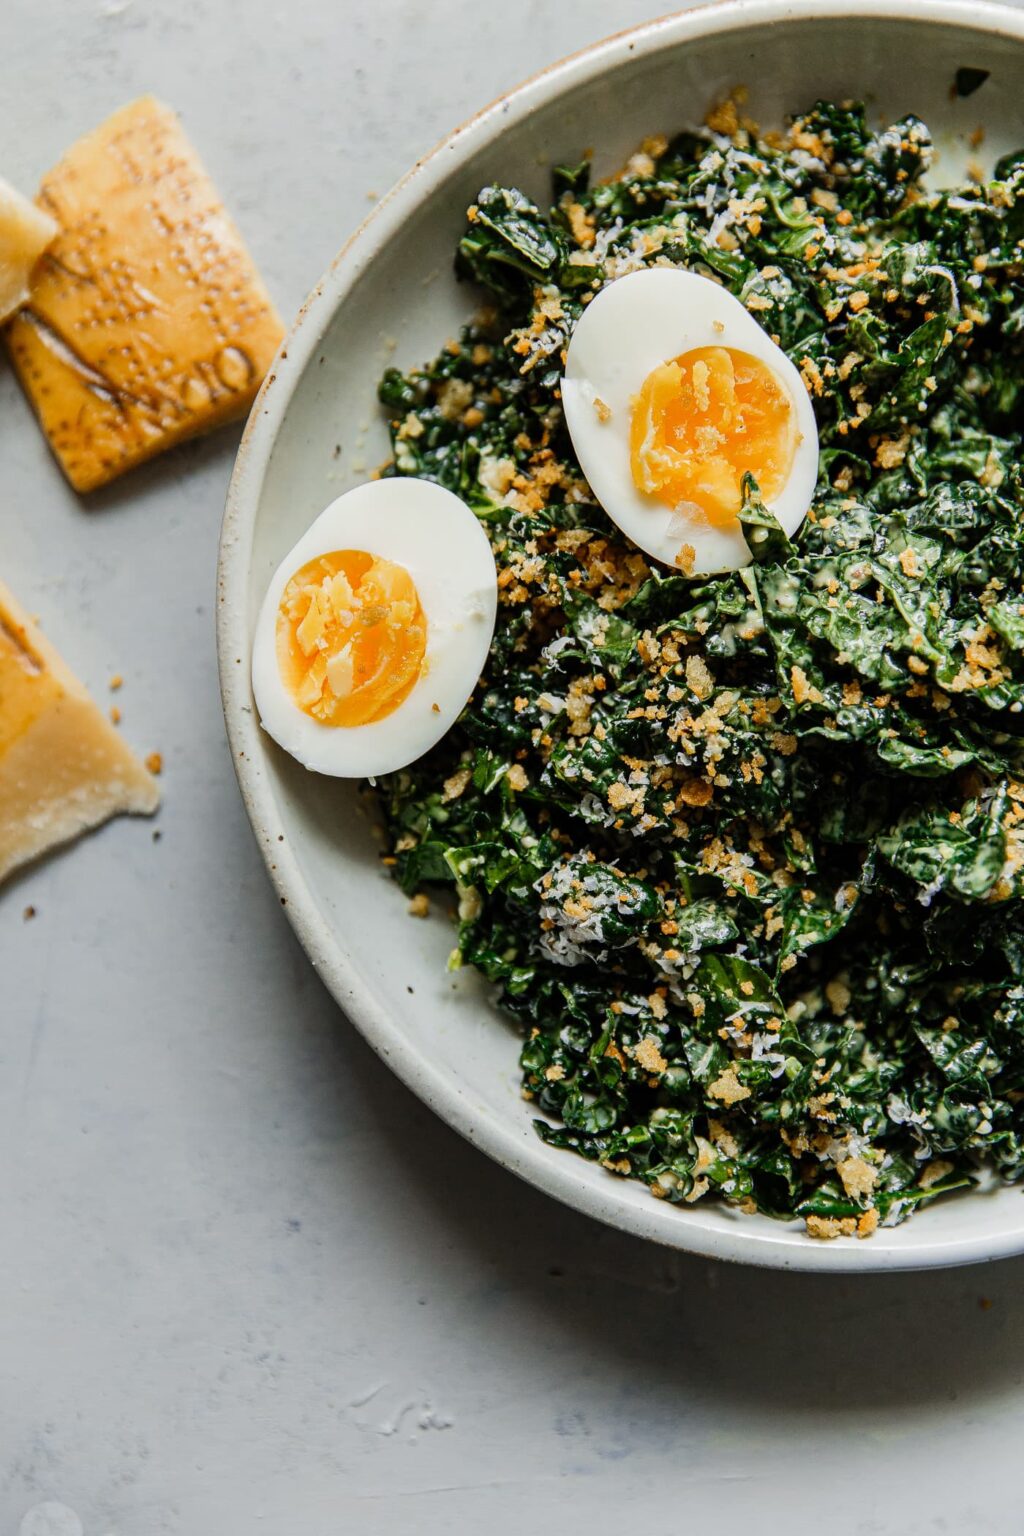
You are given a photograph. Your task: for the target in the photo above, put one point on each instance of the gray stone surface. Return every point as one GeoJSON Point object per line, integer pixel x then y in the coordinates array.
{"type": "Point", "coordinates": [246, 1281]}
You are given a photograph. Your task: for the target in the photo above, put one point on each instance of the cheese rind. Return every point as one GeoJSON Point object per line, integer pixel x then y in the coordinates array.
{"type": "Point", "coordinates": [63, 767]}
{"type": "Point", "coordinates": [148, 321]}
{"type": "Point", "coordinates": [25, 232]}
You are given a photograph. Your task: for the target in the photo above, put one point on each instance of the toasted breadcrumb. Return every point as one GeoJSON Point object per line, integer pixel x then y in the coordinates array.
{"type": "Point", "coordinates": [728, 1089]}
{"type": "Point", "coordinates": [825, 1228]}
{"type": "Point", "coordinates": [699, 677]}
{"type": "Point", "coordinates": [648, 1054]}
{"type": "Point", "coordinates": [858, 1177]}
{"type": "Point", "coordinates": [804, 691]}
{"type": "Point", "coordinates": [932, 1173]}
{"type": "Point", "coordinates": [457, 783]}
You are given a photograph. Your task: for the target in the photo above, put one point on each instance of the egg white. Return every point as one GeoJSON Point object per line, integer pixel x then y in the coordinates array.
{"type": "Point", "coordinates": [435, 536]}
{"type": "Point", "coordinates": [631, 327]}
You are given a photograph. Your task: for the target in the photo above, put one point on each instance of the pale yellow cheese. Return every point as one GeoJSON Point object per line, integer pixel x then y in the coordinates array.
{"type": "Point", "coordinates": [63, 767]}
{"type": "Point", "coordinates": [25, 232]}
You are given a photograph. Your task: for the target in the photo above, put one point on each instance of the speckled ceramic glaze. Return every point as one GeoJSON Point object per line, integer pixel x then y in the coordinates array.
{"type": "Point", "coordinates": [390, 295]}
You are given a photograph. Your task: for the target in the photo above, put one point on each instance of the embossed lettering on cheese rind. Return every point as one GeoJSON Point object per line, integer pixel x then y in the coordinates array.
{"type": "Point", "coordinates": [148, 322]}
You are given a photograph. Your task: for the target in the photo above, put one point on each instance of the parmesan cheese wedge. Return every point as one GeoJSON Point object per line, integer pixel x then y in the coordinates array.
{"type": "Point", "coordinates": [63, 767]}
{"type": "Point", "coordinates": [25, 232]}
{"type": "Point", "coordinates": [148, 321]}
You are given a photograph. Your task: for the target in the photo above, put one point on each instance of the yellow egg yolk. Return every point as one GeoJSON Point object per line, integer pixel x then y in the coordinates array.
{"type": "Point", "coordinates": [703, 420]}
{"type": "Point", "coordinates": [351, 637]}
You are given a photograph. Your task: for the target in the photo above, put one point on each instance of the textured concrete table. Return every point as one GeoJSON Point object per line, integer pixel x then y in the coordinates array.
{"type": "Point", "coordinates": [246, 1281]}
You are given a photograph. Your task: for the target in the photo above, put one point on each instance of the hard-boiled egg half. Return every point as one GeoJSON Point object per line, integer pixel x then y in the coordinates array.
{"type": "Point", "coordinates": [375, 629]}
{"type": "Point", "coordinates": [672, 391]}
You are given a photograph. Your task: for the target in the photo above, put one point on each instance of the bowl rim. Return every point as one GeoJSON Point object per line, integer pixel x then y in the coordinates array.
{"type": "Point", "coordinates": [784, 1247]}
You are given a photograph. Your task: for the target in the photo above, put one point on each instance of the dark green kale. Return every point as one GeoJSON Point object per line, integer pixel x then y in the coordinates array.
{"type": "Point", "coordinates": [967, 80]}
{"type": "Point", "coordinates": [744, 855]}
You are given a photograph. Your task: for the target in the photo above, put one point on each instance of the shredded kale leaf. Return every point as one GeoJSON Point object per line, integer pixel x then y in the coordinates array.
{"type": "Point", "coordinates": [744, 855]}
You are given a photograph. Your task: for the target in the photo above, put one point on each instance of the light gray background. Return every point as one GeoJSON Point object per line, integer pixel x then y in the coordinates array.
{"type": "Point", "coordinates": [246, 1282]}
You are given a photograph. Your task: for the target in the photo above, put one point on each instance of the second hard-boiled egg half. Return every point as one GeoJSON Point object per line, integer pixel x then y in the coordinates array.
{"type": "Point", "coordinates": [672, 392]}
{"type": "Point", "coordinates": [375, 629]}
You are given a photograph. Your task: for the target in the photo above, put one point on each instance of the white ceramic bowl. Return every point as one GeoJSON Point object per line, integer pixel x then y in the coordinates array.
{"type": "Point", "coordinates": [390, 296]}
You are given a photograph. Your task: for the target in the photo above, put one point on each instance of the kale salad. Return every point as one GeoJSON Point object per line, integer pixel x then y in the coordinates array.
{"type": "Point", "coordinates": [743, 855]}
